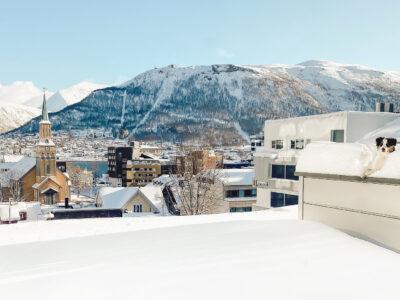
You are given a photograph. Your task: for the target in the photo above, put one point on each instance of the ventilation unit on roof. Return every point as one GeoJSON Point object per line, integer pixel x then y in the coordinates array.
{"type": "Point", "coordinates": [384, 107]}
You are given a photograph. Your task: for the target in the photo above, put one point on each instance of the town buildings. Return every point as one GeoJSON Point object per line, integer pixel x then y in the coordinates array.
{"type": "Point", "coordinates": [37, 179]}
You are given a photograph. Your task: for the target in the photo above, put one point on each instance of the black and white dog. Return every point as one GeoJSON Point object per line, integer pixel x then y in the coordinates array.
{"type": "Point", "coordinates": [384, 146]}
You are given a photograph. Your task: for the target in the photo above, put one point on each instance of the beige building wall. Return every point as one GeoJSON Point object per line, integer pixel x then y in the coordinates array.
{"type": "Point", "coordinates": [365, 209]}
{"type": "Point", "coordinates": [137, 200]}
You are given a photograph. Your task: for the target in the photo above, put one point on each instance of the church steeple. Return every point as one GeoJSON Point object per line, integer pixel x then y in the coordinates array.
{"type": "Point", "coordinates": [45, 115]}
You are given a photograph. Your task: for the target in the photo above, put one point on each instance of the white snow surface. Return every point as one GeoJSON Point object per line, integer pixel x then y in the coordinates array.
{"type": "Point", "coordinates": [116, 197]}
{"type": "Point", "coordinates": [72, 95]}
{"type": "Point", "coordinates": [259, 255]}
{"type": "Point", "coordinates": [236, 176]}
{"type": "Point", "coordinates": [350, 159]}
{"type": "Point", "coordinates": [20, 92]}
{"type": "Point", "coordinates": [15, 115]}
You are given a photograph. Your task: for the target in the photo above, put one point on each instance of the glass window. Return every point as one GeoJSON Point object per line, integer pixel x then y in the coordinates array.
{"type": "Point", "coordinates": [337, 135]}
{"type": "Point", "coordinates": [277, 199]}
{"type": "Point", "coordinates": [278, 171]}
{"type": "Point", "coordinates": [277, 144]}
{"type": "Point", "coordinates": [291, 199]}
{"type": "Point", "coordinates": [299, 144]}
{"type": "Point", "coordinates": [249, 193]}
{"type": "Point", "coordinates": [290, 169]}
{"type": "Point", "coordinates": [292, 144]}
{"type": "Point", "coordinates": [232, 194]}
{"type": "Point", "coordinates": [240, 209]}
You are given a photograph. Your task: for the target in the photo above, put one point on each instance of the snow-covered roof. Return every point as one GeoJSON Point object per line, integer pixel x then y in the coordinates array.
{"type": "Point", "coordinates": [116, 197]}
{"type": "Point", "coordinates": [18, 169]}
{"type": "Point", "coordinates": [350, 159]}
{"type": "Point", "coordinates": [236, 176]}
{"type": "Point", "coordinates": [153, 193]}
{"type": "Point", "coordinates": [346, 159]}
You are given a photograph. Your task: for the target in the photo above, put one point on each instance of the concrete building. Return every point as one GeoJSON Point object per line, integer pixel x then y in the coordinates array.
{"type": "Point", "coordinates": [141, 172]}
{"type": "Point", "coordinates": [237, 189]}
{"type": "Point", "coordinates": [118, 157]}
{"type": "Point", "coordinates": [335, 190]}
{"type": "Point", "coordinates": [196, 161]}
{"type": "Point", "coordinates": [276, 183]}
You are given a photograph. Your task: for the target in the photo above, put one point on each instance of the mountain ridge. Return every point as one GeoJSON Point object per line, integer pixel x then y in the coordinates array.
{"type": "Point", "coordinates": [215, 103]}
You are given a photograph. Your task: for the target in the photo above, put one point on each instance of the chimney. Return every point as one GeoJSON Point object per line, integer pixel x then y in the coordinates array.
{"type": "Point", "coordinates": [384, 107]}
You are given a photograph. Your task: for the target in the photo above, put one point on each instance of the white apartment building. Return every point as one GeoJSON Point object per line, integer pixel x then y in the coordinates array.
{"type": "Point", "coordinates": [275, 179]}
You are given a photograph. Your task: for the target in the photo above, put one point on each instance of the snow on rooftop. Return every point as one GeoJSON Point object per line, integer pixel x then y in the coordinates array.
{"type": "Point", "coordinates": [255, 255]}
{"type": "Point", "coordinates": [350, 159]}
{"type": "Point", "coordinates": [153, 193]}
{"type": "Point", "coordinates": [236, 176]}
{"type": "Point", "coordinates": [116, 197]}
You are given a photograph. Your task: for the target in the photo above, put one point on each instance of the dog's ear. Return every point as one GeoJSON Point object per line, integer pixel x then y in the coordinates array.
{"type": "Point", "coordinates": [391, 142]}
{"type": "Point", "coordinates": [379, 141]}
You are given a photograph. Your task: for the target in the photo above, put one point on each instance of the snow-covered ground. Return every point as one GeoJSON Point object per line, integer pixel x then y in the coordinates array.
{"type": "Point", "coordinates": [260, 255]}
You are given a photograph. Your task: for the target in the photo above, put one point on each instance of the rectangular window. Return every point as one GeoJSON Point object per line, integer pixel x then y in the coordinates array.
{"type": "Point", "coordinates": [277, 144]}
{"type": "Point", "coordinates": [290, 169]}
{"type": "Point", "coordinates": [137, 208]}
{"type": "Point", "coordinates": [337, 135]}
{"type": "Point", "coordinates": [278, 171]}
{"type": "Point", "coordinates": [232, 194]}
{"type": "Point", "coordinates": [280, 199]}
{"type": "Point", "coordinates": [240, 209]}
{"type": "Point", "coordinates": [299, 144]}
{"type": "Point", "coordinates": [291, 199]}
{"type": "Point", "coordinates": [277, 199]}
{"type": "Point", "coordinates": [250, 193]}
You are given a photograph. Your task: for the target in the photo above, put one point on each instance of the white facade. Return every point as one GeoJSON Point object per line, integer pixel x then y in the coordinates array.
{"type": "Point", "coordinates": [285, 138]}
{"type": "Point", "coordinates": [369, 209]}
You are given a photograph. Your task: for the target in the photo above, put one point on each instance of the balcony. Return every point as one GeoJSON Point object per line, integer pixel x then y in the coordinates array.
{"type": "Point", "coordinates": [283, 184]}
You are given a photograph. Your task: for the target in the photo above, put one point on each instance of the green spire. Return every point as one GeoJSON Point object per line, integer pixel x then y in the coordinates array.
{"type": "Point", "coordinates": [45, 115]}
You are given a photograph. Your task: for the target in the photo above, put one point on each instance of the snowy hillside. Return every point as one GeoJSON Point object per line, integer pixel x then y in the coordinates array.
{"type": "Point", "coordinates": [225, 103]}
{"type": "Point", "coordinates": [21, 92]}
{"type": "Point", "coordinates": [15, 115]}
{"type": "Point", "coordinates": [259, 255]}
{"type": "Point", "coordinates": [71, 95]}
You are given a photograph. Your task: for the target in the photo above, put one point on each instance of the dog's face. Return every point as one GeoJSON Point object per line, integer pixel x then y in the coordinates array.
{"type": "Point", "coordinates": [386, 144]}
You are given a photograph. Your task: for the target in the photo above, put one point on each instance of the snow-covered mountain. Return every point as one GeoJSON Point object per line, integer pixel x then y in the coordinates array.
{"type": "Point", "coordinates": [21, 92]}
{"type": "Point", "coordinates": [72, 95]}
{"type": "Point", "coordinates": [15, 115]}
{"type": "Point", "coordinates": [221, 103]}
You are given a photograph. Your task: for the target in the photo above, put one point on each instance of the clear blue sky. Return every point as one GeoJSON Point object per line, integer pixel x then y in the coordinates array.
{"type": "Point", "coordinates": [58, 43]}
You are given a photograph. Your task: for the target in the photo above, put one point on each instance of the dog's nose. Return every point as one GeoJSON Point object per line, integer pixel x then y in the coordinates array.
{"type": "Point", "coordinates": [383, 149]}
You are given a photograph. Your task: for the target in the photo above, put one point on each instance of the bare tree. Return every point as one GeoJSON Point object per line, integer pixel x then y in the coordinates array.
{"type": "Point", "coordinates": [197, 194]}
{"type": "Point", "coordinates": [80, 179]}
{"type": "Point", "coordinates": [11, 187]}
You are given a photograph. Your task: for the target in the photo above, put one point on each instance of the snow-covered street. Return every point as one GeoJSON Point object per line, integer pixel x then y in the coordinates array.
{"type": "Point", "coordinates": [259, 255]}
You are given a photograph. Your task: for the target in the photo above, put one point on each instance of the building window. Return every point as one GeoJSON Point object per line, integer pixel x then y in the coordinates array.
{"type": "Point", "coordinates": [337, 135]}
{"type": "Point", "coordinates": [250, 193]}
{"type": "Point", "coordinates": [297, 144]}
{"type": "Point", "coordinates": [290, 169]}
{"type": "Point", "coordinates": [284, 172]}
{"type": "Point", "coordinates": [240, 209]}
{"type": "Point", "coordinates": [232, 194]}
{"type": "Point", "coordinates": [278, 171]}
{"type": "Point", "coordinates": [277, 144]}
{"type": "Point", "coordinates": [138, 208]}
{"type": "Point", "coordinates": [280, 199]}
